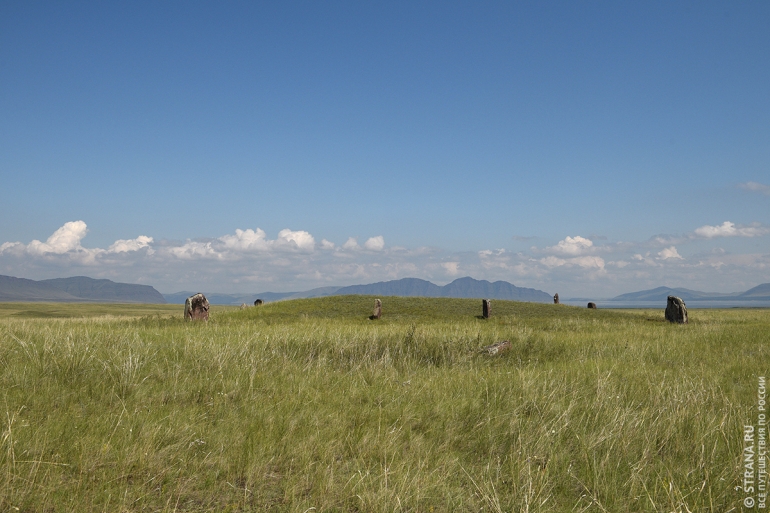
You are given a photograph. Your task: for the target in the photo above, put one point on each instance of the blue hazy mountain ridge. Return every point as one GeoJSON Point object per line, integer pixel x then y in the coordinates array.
{"type": "Point", "coordinates": [22, 289]}
{"type": "Point", "coordinates": [106, 290]}
{"type": "Point", "coordinates": [760, 292]}
{"type": "Point", "coordinates": [461, 288]}
{"type": "Point", "coordinates": [230, 299]}
{"type": "Point", "coordinates": [76, 288]}
{"type": "Point", "coordinates": [469, 288]}
{"type": "Point", "coordinates": [84, 289]}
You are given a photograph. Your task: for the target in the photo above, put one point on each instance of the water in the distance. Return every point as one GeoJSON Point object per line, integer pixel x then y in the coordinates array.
{"type": "Point", "coordinates": [662, 304]}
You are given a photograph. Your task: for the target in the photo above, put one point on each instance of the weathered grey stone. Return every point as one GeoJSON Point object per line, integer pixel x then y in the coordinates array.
{"type": "Point", "coordinates": [486, 308]}
{"type": "Point", "coordinates": [258, 302]}
{"type": "Point", "coordinates": [676, 311]}
{"type": "Point", "coordinates": [497, 348]}
{"type": "Point", "coordinates": [556, 298]}
{"type": "Point", "coordinates": [377, 309]}
{"type": "Point", "coordinates": [592, 305]}
{"type": "Point", "coordinates": [244, 306]}
{"type": "Point", "coordinates": [196, 307]}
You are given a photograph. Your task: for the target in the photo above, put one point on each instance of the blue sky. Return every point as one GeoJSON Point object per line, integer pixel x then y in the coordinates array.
{"type": "Point", "coordinates": [586, 148]}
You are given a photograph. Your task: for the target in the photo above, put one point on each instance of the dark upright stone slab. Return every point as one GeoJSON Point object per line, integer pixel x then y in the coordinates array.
{"type": "Point", "coordinates": [676, 311]}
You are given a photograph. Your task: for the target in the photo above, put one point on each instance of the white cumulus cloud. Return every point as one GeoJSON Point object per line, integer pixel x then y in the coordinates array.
{"type": "Point", "coordinates": [11, 247]}
{"type": "Point", "coordinates": [256, 241]}
{"type": "Point", "coordinates": [669, 252]}
{"type": "Point", "coordinates": [65, 239]}
{"type": "Point", "coordinates": [301, 239]}
{"type": "Point", "coordinates": [65, 245]}
{"type": "Point", "coordinates": [375, 243]}
{"type": "Point", "coordinates": [728, 229]}
{"type": "Point", "coordinates": [295, 260]}
{"type": "Point", "coordinates": [246, 240]}
{"type": "Point", "coordinates": [193, 250]}
{"type": "Point", "coordinates": [573, 246]}
{"type": "Point", "coordinates": [586, 262]}
{"type": "Point", "coordinates": [589, 262]}
{"type": "Point", "coordinates": [124, 246]}
{"type": "Point", "coordinates": [451, 268]}
{"type": "Point", "coordinates": [351, 243]}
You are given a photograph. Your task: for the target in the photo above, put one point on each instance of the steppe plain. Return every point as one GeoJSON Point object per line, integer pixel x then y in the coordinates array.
{"type": "Point", "coordinates": [307, 405]}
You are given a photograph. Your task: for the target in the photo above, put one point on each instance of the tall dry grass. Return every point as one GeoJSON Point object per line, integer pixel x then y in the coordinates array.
{"type": "Point", "coordinates": [308, 406]}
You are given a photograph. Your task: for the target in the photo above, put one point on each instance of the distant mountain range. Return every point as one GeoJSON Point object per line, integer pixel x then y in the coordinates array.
{"type": "Point", "coordinates": [76, 289]}
{"type": "Point", "coordinates": [758, 293]}
{"type": "Point", "coordinates": [238, 299]}
{"type": "Point", "coordinates": [470, 288]}
{"type": "Point", "coordinates": [462, 288]}
{"type": "Point", "coordinates": [83, 289]}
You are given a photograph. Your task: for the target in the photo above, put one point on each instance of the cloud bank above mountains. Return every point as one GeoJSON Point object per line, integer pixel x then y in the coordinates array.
{"type": "Point", "coordinates": [248, 260]}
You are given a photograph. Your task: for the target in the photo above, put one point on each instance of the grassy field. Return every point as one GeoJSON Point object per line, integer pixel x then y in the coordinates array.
{"type": "Point", "coordinates": [307, 405]}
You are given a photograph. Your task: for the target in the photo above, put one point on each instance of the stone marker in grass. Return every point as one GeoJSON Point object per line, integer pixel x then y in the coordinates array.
{"type": "Point", "coordinates": [196, 307]}
{"type": "Point", "coordinates": [377, 309]}
{"type": "Point", "coordinates": [676, 311]}
{"type": "Point", "coordinates": [592, 305]}
{"type": "Point", "coordinates": [556, 298]}
{"type": "Point", "coordinates": [486, 308]}
{"type": "Point", "coordinates": [497, 348]}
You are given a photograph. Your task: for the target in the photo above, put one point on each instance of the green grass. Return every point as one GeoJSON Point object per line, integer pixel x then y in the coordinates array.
{"type": "Point", "coordinates": [73, 310]}
{"type": "Point", "coordinates": [307, 405]}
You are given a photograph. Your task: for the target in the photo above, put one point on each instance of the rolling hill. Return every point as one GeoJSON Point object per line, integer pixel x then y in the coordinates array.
{"type": "Point", "coordinates": [405, 287]}
{"type": "Point", "coordinates": [758, 292]}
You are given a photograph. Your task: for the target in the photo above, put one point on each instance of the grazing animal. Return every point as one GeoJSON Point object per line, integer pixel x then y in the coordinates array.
{"type": "Point", "coordinates": [196, 307]}
{"type": "Point", "coordinates": [592, 305]}
{"type": "Point", "coordinates": [258, 302]}
{"type": "Point", "coordinates": [676, 311]}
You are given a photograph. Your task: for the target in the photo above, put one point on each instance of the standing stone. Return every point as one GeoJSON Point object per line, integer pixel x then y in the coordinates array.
{"type": "Point", "coordinates": [486, 308]}
{"type": "Point", "coordinates": [196, 307]}
{"type": "Point", "coordinates": [676, 311]}
{"type": "Point", "coordinates": [556, 298]}
{"type": "Point", "coordinates": [592, 305]}
{"type": "Point", "coordinates": [377, 309]}
{"type": "Point", "coordinates": [258, 302]}
{"type": "Point", "coordinates": [244, 306]}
